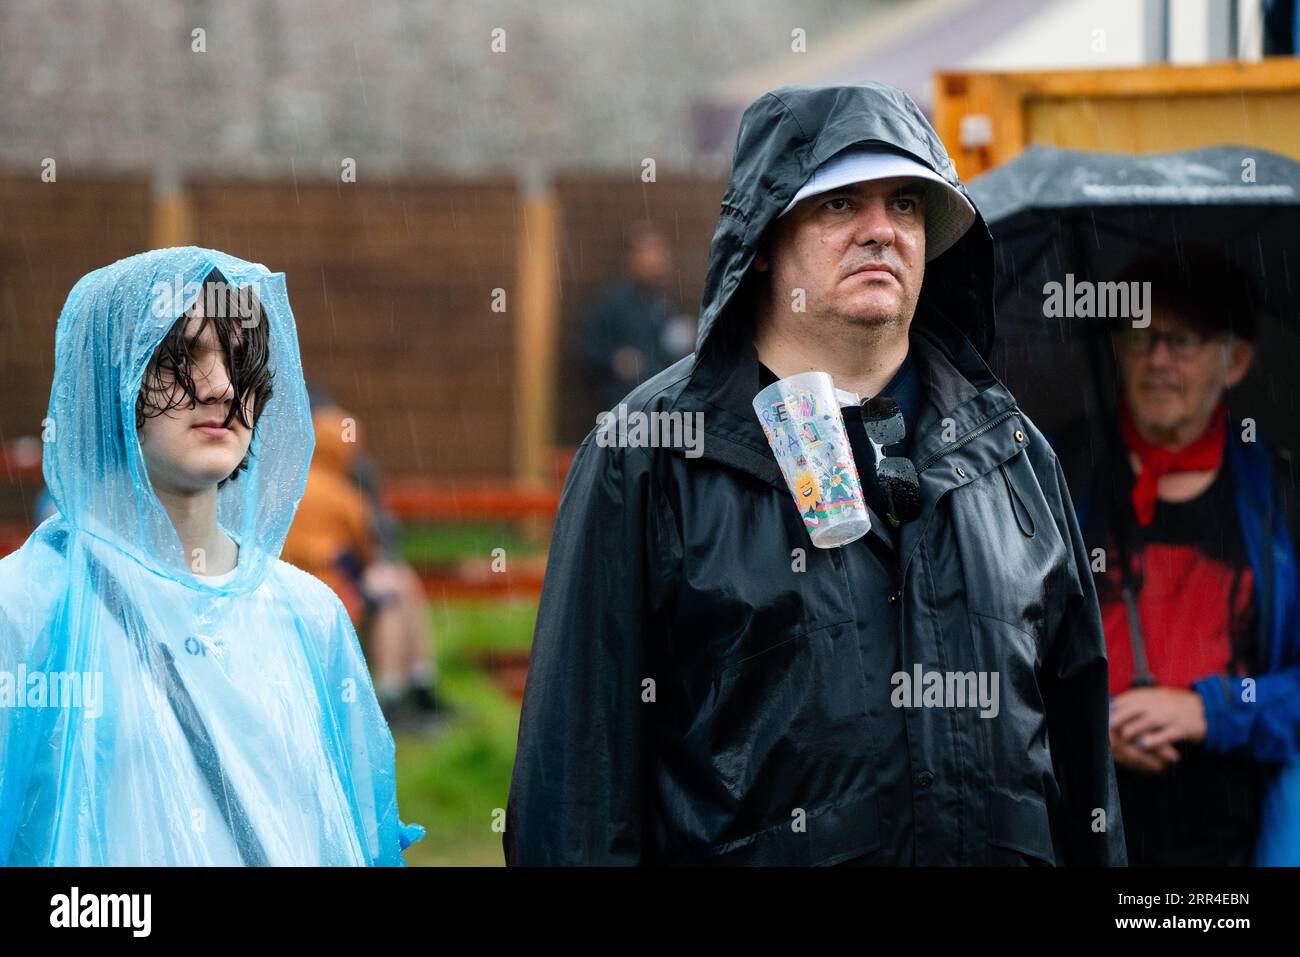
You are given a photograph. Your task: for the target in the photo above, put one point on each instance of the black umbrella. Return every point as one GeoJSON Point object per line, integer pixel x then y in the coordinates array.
{"type": "Point", "coordinates": [1068, 219]}
{"type": "Point", "coordinates": [1067, 216]}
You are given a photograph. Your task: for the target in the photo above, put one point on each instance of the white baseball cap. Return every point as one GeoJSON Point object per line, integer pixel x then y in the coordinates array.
{"type": "Point", "coordinates": [948, 213]}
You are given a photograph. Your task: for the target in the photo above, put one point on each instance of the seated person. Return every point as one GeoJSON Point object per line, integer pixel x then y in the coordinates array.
{"type": "Point", "coordinates": [344, 537]}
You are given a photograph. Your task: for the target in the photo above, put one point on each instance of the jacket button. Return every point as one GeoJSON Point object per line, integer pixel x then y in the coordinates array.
{"type": "Point", "coordinates": [961, 472]}
{"type": "Point", "coordinates": [893, 597]}
{"type": "Point", "coordinates": [924, 779]}
{"type": "Point", "coordinates": [1020, 436]}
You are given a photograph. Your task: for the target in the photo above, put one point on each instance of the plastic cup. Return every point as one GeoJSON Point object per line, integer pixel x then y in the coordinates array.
{"type": "Point", "coordinates": [801, 418]}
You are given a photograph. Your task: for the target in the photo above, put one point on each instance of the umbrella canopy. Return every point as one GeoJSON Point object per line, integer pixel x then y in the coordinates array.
{"type": "Point", "coordinates": [1070, 217]}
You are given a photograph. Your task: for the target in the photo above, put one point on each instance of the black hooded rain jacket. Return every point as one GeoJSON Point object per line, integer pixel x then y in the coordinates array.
{"type": "Point", "coordinates": [707, 687]}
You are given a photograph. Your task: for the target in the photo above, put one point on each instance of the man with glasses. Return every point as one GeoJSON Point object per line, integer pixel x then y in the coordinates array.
{"type": "Point", "coordinates": [1198, 598]}
{"type": "Point", "coordinates": [708, 687]}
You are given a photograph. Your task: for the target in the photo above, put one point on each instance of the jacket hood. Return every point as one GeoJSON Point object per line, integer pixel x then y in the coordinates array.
{"type": "Point", "coordinates": [93, 466]}
{"type": "Point", "coordinates": [784, 136]}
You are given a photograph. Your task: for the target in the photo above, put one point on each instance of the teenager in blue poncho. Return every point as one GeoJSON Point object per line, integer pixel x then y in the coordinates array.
{"type": "Point", "coordinates": [171, 692]}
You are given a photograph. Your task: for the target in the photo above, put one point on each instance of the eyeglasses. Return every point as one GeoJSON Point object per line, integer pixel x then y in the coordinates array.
{"type": "Point", "coordinates": [1182, 343]}
{"type": "Point", "coordinates": [895, 474]}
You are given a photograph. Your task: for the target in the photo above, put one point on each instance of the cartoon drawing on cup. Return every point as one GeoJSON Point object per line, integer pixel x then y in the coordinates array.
{"type": "Point", "coordinates": [808, 495]}
{"type": "Point", "coordinates": [838, 484]}
{"type": "Point", "coordinates": [801, 420]}
{"type": "Point", "coordinates": [810, 436]}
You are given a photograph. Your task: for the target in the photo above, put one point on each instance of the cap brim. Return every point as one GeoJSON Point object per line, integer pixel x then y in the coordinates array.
{"type": "Point", "coordinates": [948, 213]}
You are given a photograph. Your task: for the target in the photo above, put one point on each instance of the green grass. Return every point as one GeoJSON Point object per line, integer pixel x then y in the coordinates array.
{"type": "Point", "coordinates": [455, 784]}
{"type": "Point", "coordinates": [441, 544]}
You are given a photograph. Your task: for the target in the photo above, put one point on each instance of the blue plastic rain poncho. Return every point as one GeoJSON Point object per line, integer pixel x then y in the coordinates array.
{"type": "Point", "coordinates": [149, 715]}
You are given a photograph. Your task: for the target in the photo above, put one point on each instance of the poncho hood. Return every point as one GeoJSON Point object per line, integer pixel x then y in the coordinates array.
{"type": "Point", "coordinates": [112, 322]}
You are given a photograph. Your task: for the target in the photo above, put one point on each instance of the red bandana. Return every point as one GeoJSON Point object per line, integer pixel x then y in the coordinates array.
{"type": "Point", "coordinates": [1203, 455]}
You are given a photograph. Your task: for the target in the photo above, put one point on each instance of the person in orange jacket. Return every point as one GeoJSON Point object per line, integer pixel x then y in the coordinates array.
{"type": "Point", "coordinates": [335, 536]}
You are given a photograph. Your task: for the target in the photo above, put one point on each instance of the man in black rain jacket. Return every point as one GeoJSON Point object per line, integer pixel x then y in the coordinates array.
{"type": "Point", "coordinates": [706, 687]}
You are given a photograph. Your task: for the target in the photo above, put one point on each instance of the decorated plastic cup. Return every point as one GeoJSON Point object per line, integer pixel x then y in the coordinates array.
{"type": "Point", "coordinates": [801, 418]}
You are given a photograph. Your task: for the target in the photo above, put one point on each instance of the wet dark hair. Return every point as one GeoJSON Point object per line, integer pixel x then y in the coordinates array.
{"type": "Point", "coordinates": [246, 352]}
{"type": "Point", "coordinates": [1203, 288]}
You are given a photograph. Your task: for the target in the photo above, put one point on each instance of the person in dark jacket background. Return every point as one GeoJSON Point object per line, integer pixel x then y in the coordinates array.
{"type": "Point", "coordinates": [706, 687]}
{"type": "Point", "coordinates": [633, 330]}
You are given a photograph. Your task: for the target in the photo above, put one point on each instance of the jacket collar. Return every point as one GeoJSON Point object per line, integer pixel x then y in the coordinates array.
{"type": "Point", "coordinates": [969, 423]}
{"type": "Point", "coordinates": [956, 382]}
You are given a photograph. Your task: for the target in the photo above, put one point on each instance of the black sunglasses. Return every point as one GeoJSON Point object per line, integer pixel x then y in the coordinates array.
{"type": "Point", "coordinates": [895, 474]}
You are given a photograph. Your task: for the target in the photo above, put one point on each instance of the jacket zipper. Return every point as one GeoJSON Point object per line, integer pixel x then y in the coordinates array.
{"type": "Point", "coordinates": [973, 434]}
{"type": "Point", "coordinates": [897, 596]}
